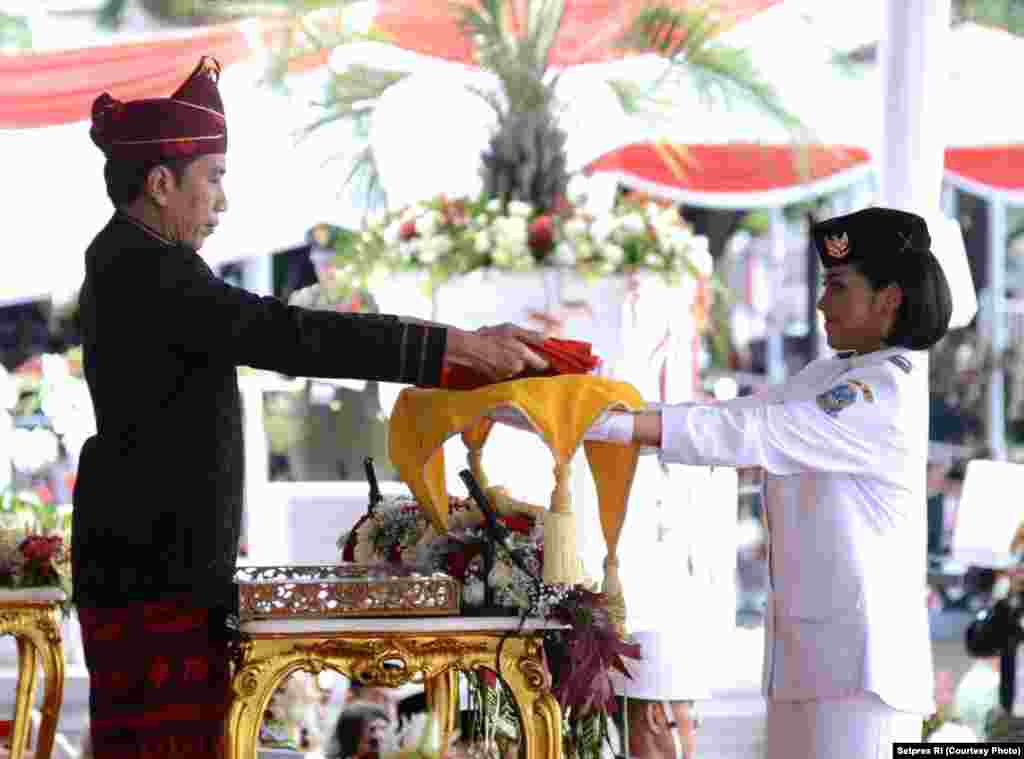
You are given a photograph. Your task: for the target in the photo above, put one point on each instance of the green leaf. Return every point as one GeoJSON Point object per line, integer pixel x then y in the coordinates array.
{"type": "Point", "coordinates": [687, 40]}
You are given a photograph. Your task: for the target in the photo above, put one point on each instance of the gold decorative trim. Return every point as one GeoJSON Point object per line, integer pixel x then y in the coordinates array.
{"type": "Point", "coordinates": [393, 659]}
{"type": "Point", "coordinates": [346, 590]}
{"type": "Point", "coordinates": [36, 629]}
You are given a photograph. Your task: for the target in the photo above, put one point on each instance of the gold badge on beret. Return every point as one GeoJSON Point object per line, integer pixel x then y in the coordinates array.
{"type": "Point", "coordinates": [837, 246]}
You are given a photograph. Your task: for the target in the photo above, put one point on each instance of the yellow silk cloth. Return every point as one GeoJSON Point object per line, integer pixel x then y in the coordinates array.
{"type": "Point", "coordinates": [560, 408]}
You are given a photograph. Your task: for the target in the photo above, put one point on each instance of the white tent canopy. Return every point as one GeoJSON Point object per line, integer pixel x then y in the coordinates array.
{"type": "Point", "coordinates": [56, 202]}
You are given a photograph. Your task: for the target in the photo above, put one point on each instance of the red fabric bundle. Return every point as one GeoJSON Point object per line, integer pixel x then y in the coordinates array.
{"type": "Point", "coordinates": [563, 356]}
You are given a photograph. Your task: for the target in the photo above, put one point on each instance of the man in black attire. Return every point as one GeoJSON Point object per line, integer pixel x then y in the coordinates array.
{"type": "Point", "coordinates": [157, 505]}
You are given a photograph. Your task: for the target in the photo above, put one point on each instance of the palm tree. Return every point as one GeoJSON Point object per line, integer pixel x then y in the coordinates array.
{"type": "Point", "coordinates": [526, 158]}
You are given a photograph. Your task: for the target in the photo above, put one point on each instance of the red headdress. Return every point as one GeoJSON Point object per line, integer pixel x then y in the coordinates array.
{"type": "Point", "coordinates": [187, 124]}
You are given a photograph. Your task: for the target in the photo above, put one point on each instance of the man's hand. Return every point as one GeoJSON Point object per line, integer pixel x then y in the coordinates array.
{"type": "Point", "coordinates": [496, 352]}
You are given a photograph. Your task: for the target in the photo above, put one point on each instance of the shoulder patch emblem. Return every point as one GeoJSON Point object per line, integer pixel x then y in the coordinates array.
{"type": "Point", "coordinates": [902, 362]}
{"type": "Point", "coordinates": [842, 396]}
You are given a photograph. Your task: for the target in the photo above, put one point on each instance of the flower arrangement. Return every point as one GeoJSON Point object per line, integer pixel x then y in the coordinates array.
{"type": "Point", "coordinates": [447, 237]}
{"type": "Point", "coordinates": [580, 655]}
{"type": "Point", "coordinates": [33, 548]}
{"type": "Point", "coordinates": [398, 532]}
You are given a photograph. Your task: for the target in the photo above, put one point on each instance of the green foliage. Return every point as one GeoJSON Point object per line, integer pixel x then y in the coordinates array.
{"type": "Point", "coordinates": [687, 39]}
{"type": "Point", "coordinates": [15, 33]}
{"type": "Point", "coordinates": [1003, 14]}
{"type": "Point", "coordinates": [525, 159]}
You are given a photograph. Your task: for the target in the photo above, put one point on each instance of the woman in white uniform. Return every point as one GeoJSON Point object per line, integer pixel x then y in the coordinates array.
{"type": "Point", "coordinates": [843, 443]}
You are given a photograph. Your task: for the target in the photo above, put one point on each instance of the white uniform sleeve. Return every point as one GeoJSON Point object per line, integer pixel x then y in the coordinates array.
{"type": "Point", "coordinates": [850, 427]}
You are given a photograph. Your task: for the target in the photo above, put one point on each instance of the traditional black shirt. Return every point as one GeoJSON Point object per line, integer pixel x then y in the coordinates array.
{"type": "Point", "coordinates": [158, 500]}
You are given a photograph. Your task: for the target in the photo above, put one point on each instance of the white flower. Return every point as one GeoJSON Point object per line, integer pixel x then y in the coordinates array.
{"type": "Point", "coordinates": [576, 191]}
{"type": "Point", "coordinates": [575, 227]}
{"type": "Point", "coordinates": [428, 224]}
{"type": "Point", "coordinates": [634, 223]}
{"type": "Point", "coordinates": [700, 256]}
{"type": "Point", "coordinates": [473, 592]}
{"type": "Point", "coordinates": [8, 390]}
{"type": "Point", "coordinates": [519, 208]}
{"type": "Point", "coordinates": [391, 234]}
{"type": "Point", "coordinates": [613, 254]}
{"type": "Point", "coordinates": [55, 367]}
{"type": "Point", "coordinates": [564, 255]}
{"type": "Point", "coordinates": [482, 241]}
{"type": "Point", "coordinates": [432, 248]}
{"type": "Point", "coordinates": [34, 449]}
{"type": "Point", "coordinates": [494, 205]}
{"type": "Point", "coordinates": [652, 259]}
{"type": "Point", "coordinates": [602, 228]}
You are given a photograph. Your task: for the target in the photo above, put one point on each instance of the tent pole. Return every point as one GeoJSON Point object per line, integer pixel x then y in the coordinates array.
{"type": "Point", "coordinates": [774, 347]}
{"type": "Point", "coordinates": [995, 306]}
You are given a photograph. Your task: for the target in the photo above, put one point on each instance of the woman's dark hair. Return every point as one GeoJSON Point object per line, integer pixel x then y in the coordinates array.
{"type": "Point", "coordinates": [927, 305]}
{"type": "Point", "coordinates": [126, 179]}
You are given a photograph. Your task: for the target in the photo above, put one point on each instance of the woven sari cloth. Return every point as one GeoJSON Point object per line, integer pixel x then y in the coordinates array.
{"type": "Point", "coordinates": [158, 681]}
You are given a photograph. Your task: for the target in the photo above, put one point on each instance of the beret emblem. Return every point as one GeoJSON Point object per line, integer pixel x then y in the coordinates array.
{"type": "Point", "coordinates": [837, 246]}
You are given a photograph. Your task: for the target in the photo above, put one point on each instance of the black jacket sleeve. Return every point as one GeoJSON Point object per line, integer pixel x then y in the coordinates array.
{"type": "Point", "coordinates": [204, 315]}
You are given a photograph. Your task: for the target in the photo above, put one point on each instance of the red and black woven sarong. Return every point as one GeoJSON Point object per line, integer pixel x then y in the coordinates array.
{"type": "Point", "coordinates": [158, 681]}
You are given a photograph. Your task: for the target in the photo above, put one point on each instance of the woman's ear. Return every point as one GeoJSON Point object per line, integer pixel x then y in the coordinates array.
{"type": "Point", "coordinates": [893, 295]}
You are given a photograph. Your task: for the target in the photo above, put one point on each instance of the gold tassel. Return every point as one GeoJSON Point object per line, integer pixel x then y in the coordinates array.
{"type": "Point", "coordinates": [561, 561]}
{"type": "Point", "coordinates": [615, 598]}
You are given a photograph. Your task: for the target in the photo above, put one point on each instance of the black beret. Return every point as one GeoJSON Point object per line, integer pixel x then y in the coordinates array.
{"type": "Point", "coordinates": [864, 235]}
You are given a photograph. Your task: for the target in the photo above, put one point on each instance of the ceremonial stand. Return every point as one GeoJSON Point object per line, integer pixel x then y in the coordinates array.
{"type": "Point", "coordinates": [33, 617]}
{"type": "Point", "coordinates": [390, 653]}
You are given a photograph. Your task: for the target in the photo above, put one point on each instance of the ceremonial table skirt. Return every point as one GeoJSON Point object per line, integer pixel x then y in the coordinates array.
{"type": "Point", "coordinates": [159, 681]}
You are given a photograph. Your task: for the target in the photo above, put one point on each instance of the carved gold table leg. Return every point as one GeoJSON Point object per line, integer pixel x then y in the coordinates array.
{"type": "Point", "coordinates": [523, 670]}
{"type": "Point", "coordinates": [390, 660]}
{"type": "Point", "coordinates": [52, 654]}
{"type": "Point", "coordinates": [24, 694]}
{"type": "Point", "coordinates": [442, 693]}
{"type": "Point", "coordinates": [36, 629]}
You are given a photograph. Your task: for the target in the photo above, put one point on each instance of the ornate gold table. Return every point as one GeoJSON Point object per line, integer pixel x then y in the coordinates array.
{"type": "Point", "coordinates": [392, 652]}
{"type": "Point", "coordinates": [32, 616]}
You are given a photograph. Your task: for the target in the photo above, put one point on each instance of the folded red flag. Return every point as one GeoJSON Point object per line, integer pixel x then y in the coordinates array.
{"type": "Point", "coordinates": [563, 356]}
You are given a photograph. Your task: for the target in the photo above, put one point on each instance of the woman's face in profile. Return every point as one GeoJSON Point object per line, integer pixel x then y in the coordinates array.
{"type": "Point", "coordinates": [857, 316]}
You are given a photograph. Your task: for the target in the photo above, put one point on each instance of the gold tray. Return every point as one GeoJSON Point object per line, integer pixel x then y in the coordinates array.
{"type": "Point", "coordinates": [342, 590]}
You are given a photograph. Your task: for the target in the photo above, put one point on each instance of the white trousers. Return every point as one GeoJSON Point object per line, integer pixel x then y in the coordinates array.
{"type": "Point", "coordinates": [861, 726]}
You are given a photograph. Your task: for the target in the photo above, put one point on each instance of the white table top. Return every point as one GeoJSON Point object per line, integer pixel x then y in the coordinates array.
{"type": "Point", "coordinates": [32, 595]}
{"type": "Point", "coordinates": [393, 625]}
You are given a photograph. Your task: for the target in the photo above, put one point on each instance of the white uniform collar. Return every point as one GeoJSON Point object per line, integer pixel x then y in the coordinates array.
{"type": "Point", "coordinates": [860, 360]}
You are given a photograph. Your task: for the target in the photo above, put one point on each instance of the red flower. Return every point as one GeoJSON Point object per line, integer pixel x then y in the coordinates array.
{"type": "Point", "coordinates": [456, 563]}
{"type": "Point", "coordinates": [488, 677]}
{"type": "Point", "coordinates": [517, 523]}
{"type": "Point", "coordinates": [542, 234]}
{"type": "Point", "coordinates": [408, 230]}
{"type": "Point", "coordinates": [395, 554]}
{"type": "Point", "coordinates": [44, 493]}
{"type": "Point", "coordinates": [39, 548]}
